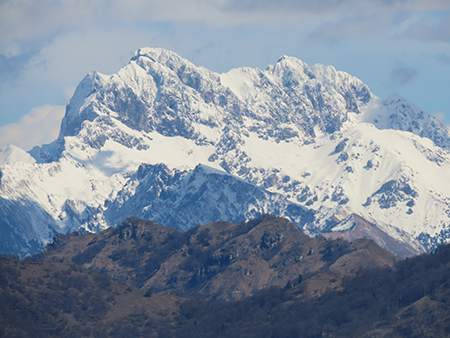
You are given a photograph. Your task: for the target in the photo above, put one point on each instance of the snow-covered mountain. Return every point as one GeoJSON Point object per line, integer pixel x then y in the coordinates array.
{"type": "Point", "coordinates": [179, 144]}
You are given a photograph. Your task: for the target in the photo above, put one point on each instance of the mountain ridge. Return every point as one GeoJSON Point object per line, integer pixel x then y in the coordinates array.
{"type": "Point", "coordinates": [316, 137]}
{"type": "Point", "coordinates": [58, 298]}
{"type": "Point", "coordinates": [216, 261]}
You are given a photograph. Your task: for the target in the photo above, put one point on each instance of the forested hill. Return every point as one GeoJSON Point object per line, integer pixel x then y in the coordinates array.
{"type": "Point", "coordinates": [61, 299]}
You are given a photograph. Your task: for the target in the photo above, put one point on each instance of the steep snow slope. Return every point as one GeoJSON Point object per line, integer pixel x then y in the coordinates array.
{"type": "Point", "coordinates": [12, 153]}
{"type": "Point", "coordinates": [297, 137]}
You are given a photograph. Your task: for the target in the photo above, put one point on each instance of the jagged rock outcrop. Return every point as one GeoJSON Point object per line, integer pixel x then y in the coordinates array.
{"type": "Point", "coordinates": [300, 137]}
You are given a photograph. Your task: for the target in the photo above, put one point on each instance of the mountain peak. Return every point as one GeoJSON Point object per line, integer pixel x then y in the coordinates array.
{"type": "Point", "coordinates": [270, 130]}
{"type": "Point", "coordinates": [293, 70]}
{"type": "Point", "coordinates": [76, 111]}
{"type": "Point", "coordinates": [12, 153]}
{"type": "Point", "coordinates": [159, 55]}
{"type": "Point", "coordinates": [394, 98]}
{"type": "Point", "coordinates": [405, 116]}
{"type": "Point", "coordinates": [292, 60]}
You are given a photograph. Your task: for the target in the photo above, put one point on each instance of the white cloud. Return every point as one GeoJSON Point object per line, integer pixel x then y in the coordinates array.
{"type": "Point", "coordinates": [40, 126]}
{"type": "Point", "coordinates": [26, 25]}
{"type": "Point", "coordinates": [30, 25]}
{"type": "Point", "coordinates": [359, 27]}
{"type": "Point", "coordinates": [431, 29]}
{"type": "Point", "coordinates": [439, 114]}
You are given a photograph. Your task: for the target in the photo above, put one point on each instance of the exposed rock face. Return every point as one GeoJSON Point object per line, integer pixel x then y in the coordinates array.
{"type": "Point", "coordinates": [295, 140]}
{"type": "Point", "coordinates": [181, 199]}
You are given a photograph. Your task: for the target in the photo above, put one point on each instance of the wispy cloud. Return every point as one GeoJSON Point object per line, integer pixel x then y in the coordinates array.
{"type": "Point", "coordinates": [11, 67]}
{"type": "Point", "coordinates": [403, 75]}
{"type": "Point", "coordinates": [439, 114]}
{"type": "Point", "coordinates": [28, 25]}
{"type": "Point", "coordinates": [431, 28]}
{"type": "Point", "coordinates": [442, 59]}
{"type": "Point", "coordinates": [40, 126]}
{"type": "Point", "coordinates": [352, 7]}
{"type": "Point", "coordinates": [359, 27]}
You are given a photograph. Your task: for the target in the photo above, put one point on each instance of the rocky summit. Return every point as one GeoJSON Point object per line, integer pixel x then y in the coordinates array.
{"type": "Point", "coordinates": [178, 144]}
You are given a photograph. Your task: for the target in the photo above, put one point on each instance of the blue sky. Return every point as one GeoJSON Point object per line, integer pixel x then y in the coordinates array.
{"type": "Point", "coordinates": [48, 46]}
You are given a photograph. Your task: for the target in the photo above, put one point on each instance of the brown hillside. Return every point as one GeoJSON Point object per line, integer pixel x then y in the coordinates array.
{"type": "Point", "coordinates": [61, 299]}
{"type": "Point", "coordinates": [214, 261]}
